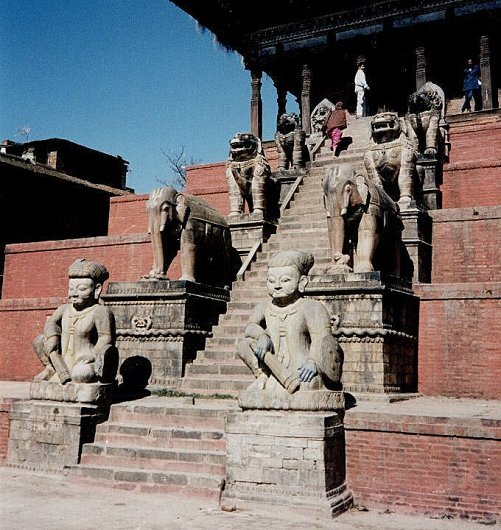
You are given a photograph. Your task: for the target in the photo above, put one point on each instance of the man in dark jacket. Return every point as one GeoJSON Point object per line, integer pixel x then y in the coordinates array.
{"type": "Point", "coordinates": [471, 86]}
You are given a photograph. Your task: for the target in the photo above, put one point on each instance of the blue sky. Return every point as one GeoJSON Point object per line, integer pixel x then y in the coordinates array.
{"type": "Point", "coordinates": [127, 77]}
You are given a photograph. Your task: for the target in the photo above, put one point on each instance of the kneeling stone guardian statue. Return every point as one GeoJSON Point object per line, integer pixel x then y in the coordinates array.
{"type": "Point", "coordinates": [78, 342]}
{"type": "Point", "coordinates": [289, 346]}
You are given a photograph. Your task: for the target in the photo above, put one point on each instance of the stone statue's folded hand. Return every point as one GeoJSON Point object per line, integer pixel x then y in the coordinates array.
{"type": "Point", "coordinates": [307, 371]}
{"type": "Point", "coordinates": [263, 345]}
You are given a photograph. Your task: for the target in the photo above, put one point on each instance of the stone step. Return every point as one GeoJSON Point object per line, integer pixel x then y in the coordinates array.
{"type": "Point", "coordinates": [173, 412]}
{"type": "Point", "coordinates": [319, 223]}
{"type": "Point", "coordinates": [222, 342]}
{"type": "Point", "coordinates": [150, 436]}
{"type": "Point", "coordinates": [294, 218]}
{"type": "Point", "coordinates": [186, 484]}
{"type": "Point", "coordinates": [306, 232]}
{"type": "Point", "coordinates": [144, 458]}
{"type": "Point", "coordinates": [224, 384]}
{"type": "Point", "coordinates": [216, 356]}
{"type": "Point", "coordinates": [228, 368]}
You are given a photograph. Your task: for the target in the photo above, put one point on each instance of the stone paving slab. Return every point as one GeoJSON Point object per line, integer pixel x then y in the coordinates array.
{"type": "Point", "coordinates": [43, 502]}
{"type": "Point", "coordinates": [433, 407]}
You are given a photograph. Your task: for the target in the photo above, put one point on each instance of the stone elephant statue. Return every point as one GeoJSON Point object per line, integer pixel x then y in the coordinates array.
{"type": "Point", "coordinates": [365, 229]}
{"type": "Point", "coordinates": [180, 222]}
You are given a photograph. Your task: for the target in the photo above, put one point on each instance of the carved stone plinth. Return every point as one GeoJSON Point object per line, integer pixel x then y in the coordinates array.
{"type": "Point", "coordinates": [376, 324]}
{"type": "Point", "coordinates": [287, 458]}
{"type": "Point", "coordinates": [247, 230]}
{"type": "Point", "coordinates": [97, 393]}
{"type": "Point", "coordinates": [48, 435]}
{"type": "Point", "coordinates": [161, 325]}
{"type": "Point", "coordinates": [416, 237]}
{"type": "Point", "coordinates": [430, 171]}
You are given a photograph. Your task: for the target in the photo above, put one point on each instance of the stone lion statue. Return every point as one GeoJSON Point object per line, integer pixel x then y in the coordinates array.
{"type": "Point", "coordinates": [425, 118]}
{"type": "Point", "coordinates": [290, 142]}
{"type": "Point", "coordinates": [391, 159]}
{"type": "Point", "coordinates": [247, 172]}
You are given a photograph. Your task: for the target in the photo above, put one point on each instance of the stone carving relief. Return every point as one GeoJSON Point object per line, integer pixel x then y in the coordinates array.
{"type": "Point", "coordinates": [318, 118]}
{"type": "Point", "coordinates": [78, 341]}
{"type": "Point", "coordinates": [290, 142]}
{"type": "Point", "coordinates": [391, 159]}
{"type": "Point", "coordinates": [362, 217]}
{"type": "Point", "coordinates": [288, 344]}
{"type": "Point", "coordinates": [180, 222]}
{"type": "Point", "coordinates": [247, 173]}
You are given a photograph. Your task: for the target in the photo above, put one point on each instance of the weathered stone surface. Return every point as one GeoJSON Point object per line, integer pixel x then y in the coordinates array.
{"type": "Point", "coordinates": [48, 435]}
{"type": "Point", "coordinates": [287, 458]}
{"type": "Point", "coordinates": [374, 320]}
{"type": "Point", "coordinates": [78, 340]}
{"type": "Point", "coordinates": [288, 343]}
{"type": "Point", "coordinates": [98, 393]}
{"type": "Point", "coordinates": [161, 325]}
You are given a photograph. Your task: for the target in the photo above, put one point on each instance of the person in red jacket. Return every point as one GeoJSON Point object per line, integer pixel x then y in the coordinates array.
{"type": "Point", "coordinates": [334, 125]}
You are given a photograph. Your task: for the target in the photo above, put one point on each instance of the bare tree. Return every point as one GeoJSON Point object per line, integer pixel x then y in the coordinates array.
{"type": "Point", "coordinates": [24, 131]}
{"type": "Point", "coordinates": [177, 162]}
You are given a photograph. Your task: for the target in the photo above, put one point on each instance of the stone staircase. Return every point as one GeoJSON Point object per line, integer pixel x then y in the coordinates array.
{"type": "Point", "coordinates": [178, 445]}
{"type": "Point", "coordinates": [162, 445]}
{"type": "Point", "coordinates": [303, 226]}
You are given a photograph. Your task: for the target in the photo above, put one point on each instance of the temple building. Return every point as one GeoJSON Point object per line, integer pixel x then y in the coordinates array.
{"type": "Point", "coordinates": [415, 310]}
{"type": "Point", "coordinates": [310, 49]}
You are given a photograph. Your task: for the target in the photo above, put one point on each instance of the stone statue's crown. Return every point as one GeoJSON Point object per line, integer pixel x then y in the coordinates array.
{"type": "Point", "coordinates": [82, 268]}
{"type": "Point", "coordinates": [303, 261]}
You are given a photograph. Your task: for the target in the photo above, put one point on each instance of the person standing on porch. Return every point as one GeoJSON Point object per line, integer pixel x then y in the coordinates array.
{"type": "Point", "coordinates": [361, 87]}
{"type": "Point", "coordinates": [471, 86]}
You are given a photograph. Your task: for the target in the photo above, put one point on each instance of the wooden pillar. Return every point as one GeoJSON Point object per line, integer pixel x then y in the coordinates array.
{"type": "Point", "coordinates": [420, 67]}
{"type": "Point", "coordinates": [281, 98]}
{"type": "Point", "coordinates": [256, 104]}
{"type": "Point", "coordinates": [305, 98]}
{"type": "Point", "coordinates": [487, 89]}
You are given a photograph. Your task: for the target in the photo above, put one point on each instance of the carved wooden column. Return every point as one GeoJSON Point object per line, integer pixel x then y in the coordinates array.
{"type": "Point", "coordinates": [281, 98]}
{"type": "Point", "coordinates": [488, 96]}
{"type": "Point", "coordinates": [256, 104]}
{"type": "Point", "coordinates": [305, 98]}
{"type": "Point", "coordinates": [420, 67]}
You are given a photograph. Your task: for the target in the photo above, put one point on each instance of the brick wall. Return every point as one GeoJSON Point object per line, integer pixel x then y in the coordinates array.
{"type": "Point", "coordinates": [437, 466]}
{"type": "Point", "coordinates": [37, 272]}
{"type": "Point", "coordinates": [128, 215]}
{"type": "Point", "coordinates": [21, 321]}
{"type": "Point", "coordinates": [459, 348]}
{"type": "Point", "coordinates": [473, 176]}
{"type": "Point", "coordinates": [466, 244]}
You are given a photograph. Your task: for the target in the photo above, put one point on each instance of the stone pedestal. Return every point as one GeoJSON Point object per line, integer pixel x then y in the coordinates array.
{"type": "Point", "coordinates": [416, 237]}
{"type": "Point", "coordinates": [284, 181]}
{"type": "Point", "coordinates": [161, 325]}
{"type": "Point", "coordinates": [97, 393]}
{"type": "Point", "coordinates": [289, 458]}
{"type": "Point", "coordinates": [247, 230]}
{"type": "Point", "coordinates": [48, 435]}
{"type": "Point", "coordinates": [376, 323]}
{"type": "Point", "coordinates": [430, 170]}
